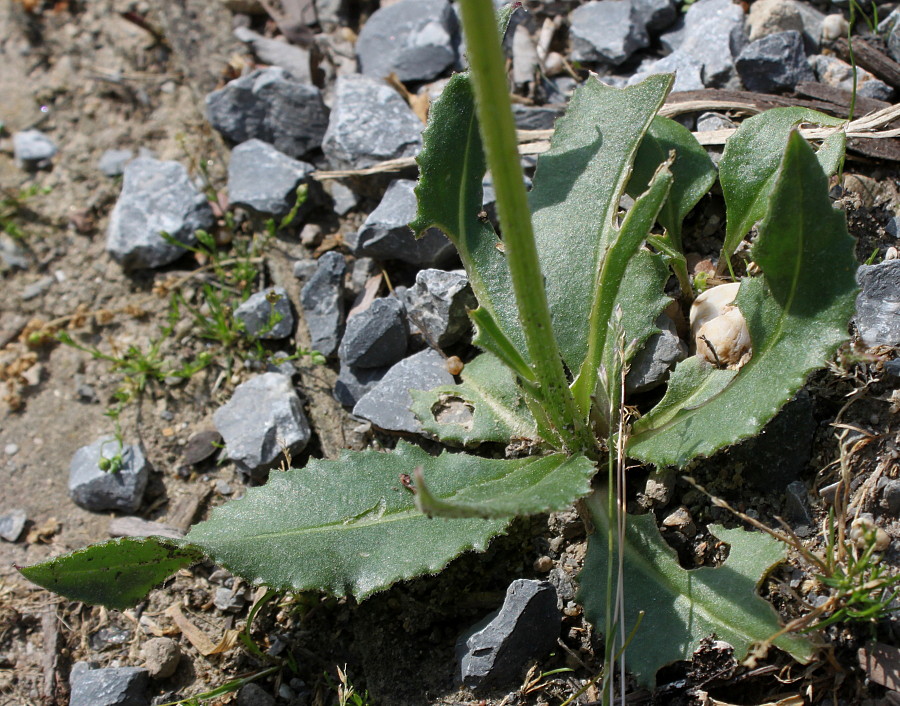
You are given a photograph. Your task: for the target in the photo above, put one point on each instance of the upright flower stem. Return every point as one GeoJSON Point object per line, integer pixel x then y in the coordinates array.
{"type": "Point", "coordinates": [498, 133]}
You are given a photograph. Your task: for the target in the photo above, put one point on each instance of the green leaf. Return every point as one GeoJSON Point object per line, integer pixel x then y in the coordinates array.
{"type": "Point", "coordinates": [449, 192]}
{"type": "Point", "coordinates": [528, 486]}
{"type": "Point", "coordinates": [797, 315]}
{"type": "Point", "coordinates": [693, 170]}
{"type": "Point", "coordinates": [751, 159]}
{"type": "Point", "coordinates": [682, 607]}
{"type": "Point", "coordinates": [116, 574]}
{"type": "Point", "coordinates": [348, 526]}
{"type": "Point", "coordinates": [575, 205]}
{"type": "Point", "coordinates": [486, 406]}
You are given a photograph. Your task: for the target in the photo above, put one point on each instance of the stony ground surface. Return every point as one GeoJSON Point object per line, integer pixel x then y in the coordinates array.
{"type": "Point", "coordinates": [134, 76]}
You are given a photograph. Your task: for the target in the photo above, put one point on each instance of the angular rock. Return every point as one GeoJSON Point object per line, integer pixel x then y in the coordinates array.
{"type": "Point", "coordinates": [415, 39]}
{"type": "Point", "coordinates": [156, 196]}
{"type": "Point", "coordinates": [33, 149]}
{"type": "Point", "coordinates": [291, 58]}
{"type": "Point", "coordinates": [651, 364]}
{"type": "Point", "coordinates": [112, 162]}
{"type": "Point", "coordinates": [98, 490]}
{"type": "Point", "coordinates": [878, 304]}
{"type": "Point", "coordinates": [833, 72]}
{"type": "Point", "coordinates": [387, 404]}
{"type": "Point", "coordinates": [229, 601]}
{"type": "Point", "coordinates": [11, 524]}
{"type": "Point", "coordinates": [535, 118]}
{"type": "Point", "coordinates": [796, 503]}
{"type": "Point", "coordinates": [370, 123]}
{"type": "Point", "coordinates": [112, 686]}
{"type": "Point", "coordinates": [263, 179]}
{"type": "Point", "coordinates": [775, 63]}
{"type": "Point", "coordinates": [343, 196]}
{"type": "Point", "coordinates": [606, 31]}
{"type": "Point", "coordinates": [710, 122]}
{"type": "Point", "coordinates": [376, 336]}
{"type": "Point", "coordinates": [254, 695]}
{"type": "Point", "coordinates": [161, 656]}
{"type": "Point", "coordinates": [322, 301]}
{"type": "Point", "coordinates": [773, 16]}
{"type": "Point", "coordinates": [890, 497]}
{"type": "Point", "coordinates": [655, 15]}
{"type": "Point", "coordinates": [495, 652]}
{"type": "Point", "coordinates": [263, 417]}
{"type": "Point", "coordinates": [889, 29]}
{"type": "Point", "coordinates": [267, 314]}
{"type": "Point", "coordinates": [353, 383]}
{"type": "Point", "coordinates": [437, 305]}
{"type": "Point", "coordinates": [688, 71]}
{"type": "Point", "coordinates": [201, 446]}
{"type": "Point", "coordinates": [713, 35]}
{"type": "Point", "coordinates": [273, 106]}
{"type": "Point", "coordinates": [386, 234]}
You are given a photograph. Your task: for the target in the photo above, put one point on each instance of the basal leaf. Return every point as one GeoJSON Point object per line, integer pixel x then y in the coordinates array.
{"type": "Point", "coordinates": [529, 486]}
{"type": "Point", "coordinates": [682, 607]}
{"type": "Point", "coordinates": [575, 202]}
{"type": "Point", "coordinates": [693, 170]}
{"type": "Point", "coordinates": [486, 406]}
{"type": "Point", "coordinates": [350, 526]}
{"type": "Point", "coordinates": [451, 167]}
{"type": "Point", "coordinates": [751, 159]}
{"type": "Point", "coordinates": [797, 315]}
{"type": "Point", "coordinates": [116, 574]}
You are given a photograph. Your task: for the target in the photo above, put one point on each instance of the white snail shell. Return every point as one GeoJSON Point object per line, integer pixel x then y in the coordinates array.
{"type": "Point", "coordinates": [720, 332]}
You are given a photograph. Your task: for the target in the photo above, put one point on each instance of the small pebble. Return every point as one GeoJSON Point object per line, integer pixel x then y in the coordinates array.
{"type": "Point", "coordinates": [861, 529]}
{"type": "Point", "coordinates": [11, 449]}
{"type": "Point", "coordinates": [161, 656]}
{"type": "Point", "coordinates": [223, 488]}
{"type": "Point", "coordinates": [543, 564]}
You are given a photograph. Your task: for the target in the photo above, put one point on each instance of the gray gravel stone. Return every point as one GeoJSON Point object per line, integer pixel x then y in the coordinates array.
{"type": "Point", "coordinates": [890, 497]}
{"type": "Point", "coordinates": [495, 652]}
{"type": "Point", "coordinates": [651, 365]}
{"type": "Point", "coordinates": [796, 503]}
{"type": "Point", "coordinates": [878, 304]}
{"type": "Point", "coordinates": [377, 336]}
{"type": "Point", "coordinates": [655, 15]}
{"type": "Point", "coordinates": [415, 39]}
{"type": "Point", "coordinates": [156, 196]}
{"type": "Point", "coordinates": [161, 656]}
{"type": "Point", "coordinates": [112, 162]}
{"type": "Point", "coordinates": [343, 196]}
{"type": "Point", "coordinates": [353, 383]}
{"type": "Point", "coordinates": [688, 71]}
{"type": "Point", "coordinates": [889, 28]}
{"type": "Point", "coordinates": [832, 71]}
{"type": "Point", "coordinates": [606, 31]}
{"type": "Point", "coordinates": [710, 122]}
{"type": "Point", "coordinates": [437, 305]}
{"type": "Point", "coordinates": [33, 149]}
{"type": "Point", "coordinates": [11, 524]}
{"type": "Point", "coordinates": [370, 123]}
{"type": "Point", "coordinates": [112, 686]}
{"type": "Point", "coordinates": [322, 301]}
{"type": "Point", "coordinates": [228, 600]}
{"type": "Point", "coordinates": [263, 179]}
{"type": "Point", "coordinates": [775, 63]}
{"type": "Point", "coordinates": [535, 118]}
{"type": "Point", "coordinates": [270, 105]}
{"type": "Point", "coordinates": [12, 256]}
{"type": "Point", "coordinates": [387, 404]}
{"type": "Point", "coordinates": [386, 234]}
{"type": "Point", "coordinates": [261, 309]}
{"type": "Point", "coordinates": [291, 58]}
{"type": "Point", "coordinates": [713, 35]}
{"type": "Point", "coordinates": [263, 416]}
{"type": "Point", "coordinates": [97, 490]}
{"type": "Point", "coordinates": [773, 16]}
{"type": "Point", "coordinates": [254, 695]}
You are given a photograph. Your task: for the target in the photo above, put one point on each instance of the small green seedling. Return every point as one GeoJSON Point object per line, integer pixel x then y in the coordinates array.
{"type": "Point", "coordinates": [566, 298]}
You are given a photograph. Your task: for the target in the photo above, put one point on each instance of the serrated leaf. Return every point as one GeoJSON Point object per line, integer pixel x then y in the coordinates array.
{"type": "Point", "coordinates": [449, 193]}
{"type": "Point", "coordinates": [797, 316]}
{"type": "Point", "coordinates": [751, 159]}
{"type": "Point", "coordinates": [575, 205]}
{"type": "Point", "coordinates": [349, 526]}
{"type": "Point", "coordinates": [693, 170]}
{"type": "Point", "coordinates": [116, 574]}
{"type": "Point", "coordinates": [682, 607]}
{"type": "Point", "coordinates": [486, 406]}
{"type": "Point", "coordinates": [528, 486]}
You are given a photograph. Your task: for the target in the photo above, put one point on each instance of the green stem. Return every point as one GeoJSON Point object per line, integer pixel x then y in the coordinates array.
{"type": "Point", "coordinates": [498, 133]}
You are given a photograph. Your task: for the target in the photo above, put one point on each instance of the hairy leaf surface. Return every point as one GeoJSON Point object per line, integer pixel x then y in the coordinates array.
{"type": "Point", "coordinates": [751, 160]}
{"type": "Point", "coordinates": [116, 574]}
{"type": "Point", "coordinates": [682, 607]}
{"type": "Point", "coordinates": [351, 526]}
{"type": "Point", "coordinates": [575, 198]}
{"type": "Point", "coordinates": [486, 406]}
{"type": "Point", "coordinates": [797, 315]}
{"type": "Point", "coordinates": [449, 193]}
